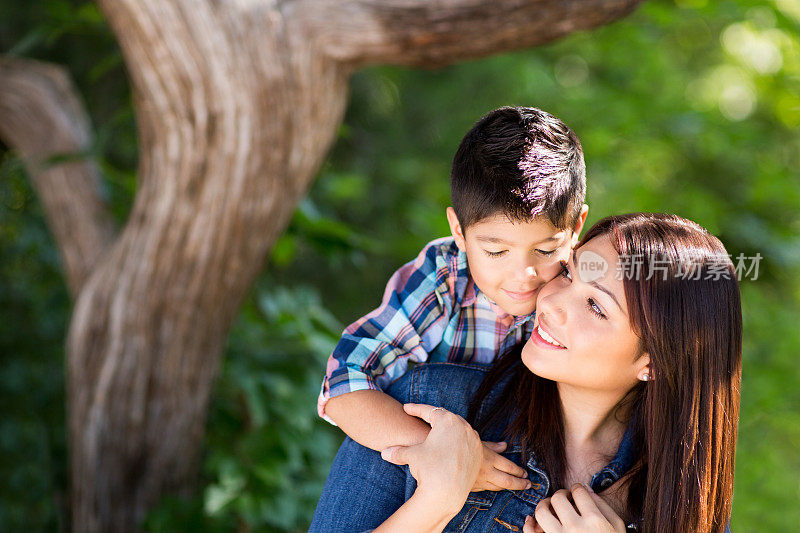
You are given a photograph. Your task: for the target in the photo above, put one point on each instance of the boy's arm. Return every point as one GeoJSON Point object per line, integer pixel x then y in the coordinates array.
{"type": "Point", "coordinates": [375, 420]}
{"type": "Point", "coordinates": [375, 351]}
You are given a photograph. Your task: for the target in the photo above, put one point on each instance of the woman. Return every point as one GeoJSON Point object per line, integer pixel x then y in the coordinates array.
{"type": "Point", "coordinates": [622, 407]}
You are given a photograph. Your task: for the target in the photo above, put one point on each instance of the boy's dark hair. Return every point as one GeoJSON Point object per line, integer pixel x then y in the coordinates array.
{"type": "Point", "coordinates": [521, 162]}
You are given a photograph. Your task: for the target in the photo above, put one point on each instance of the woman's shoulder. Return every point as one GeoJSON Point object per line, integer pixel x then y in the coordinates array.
{"type": "Point", "coordinates": [447, 385]}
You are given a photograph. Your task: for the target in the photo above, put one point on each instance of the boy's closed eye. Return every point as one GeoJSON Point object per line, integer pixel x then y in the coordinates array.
{"type": "Point", "coordinates": [544, 253]}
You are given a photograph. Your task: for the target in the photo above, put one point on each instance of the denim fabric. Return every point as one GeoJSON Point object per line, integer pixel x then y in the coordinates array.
{"type": "Point", "coordinates": [363, 490]}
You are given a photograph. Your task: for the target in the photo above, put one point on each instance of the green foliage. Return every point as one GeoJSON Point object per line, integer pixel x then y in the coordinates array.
{"type": "Point", "coordinates": [767, 463]}
{"type": "Point", "coordinates": [34, 308]}
{"type": "Point", "coordinates": [268, 453]}
{"type": "Point", "coordinates": [690, 106]}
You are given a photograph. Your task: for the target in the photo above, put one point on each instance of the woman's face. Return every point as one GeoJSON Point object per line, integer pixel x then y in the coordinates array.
{"type": "Point", "coordinates": [582, 335]}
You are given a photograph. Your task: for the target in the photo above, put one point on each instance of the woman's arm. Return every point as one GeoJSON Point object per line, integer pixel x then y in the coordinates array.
{"type": "Point", "coordinates": [364, 492]}
{"type": "Point", "coordinates": [418, 514]}
{"type": "Point", "coordinates": [445, 466]}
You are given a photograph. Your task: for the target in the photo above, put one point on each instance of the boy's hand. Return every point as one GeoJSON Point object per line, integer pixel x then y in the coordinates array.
{"type": "Point", "coordinates": [497, 472]}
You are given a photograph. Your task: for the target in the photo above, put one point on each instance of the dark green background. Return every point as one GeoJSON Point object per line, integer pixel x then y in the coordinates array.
{"type": "Point", "coordinates": [690, 107]}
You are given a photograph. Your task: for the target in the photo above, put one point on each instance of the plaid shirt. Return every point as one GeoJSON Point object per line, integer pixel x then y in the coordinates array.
{"type": "Point", "coordinates": [432, 311]}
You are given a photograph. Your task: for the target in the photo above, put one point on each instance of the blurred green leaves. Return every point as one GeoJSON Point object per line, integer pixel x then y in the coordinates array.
{"type": "Point", "coordinates": [34, 306]}
{"type": "Point", "coordinates": [267, 451]}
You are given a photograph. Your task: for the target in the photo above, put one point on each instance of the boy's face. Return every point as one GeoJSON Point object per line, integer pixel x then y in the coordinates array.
{"type": "Point", "coordinates": [510, 261]}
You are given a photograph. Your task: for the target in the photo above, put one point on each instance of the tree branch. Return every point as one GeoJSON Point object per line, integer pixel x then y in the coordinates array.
{"type": "Point", "coordinates": [432, 33]}
{"type": "Point", "coordinates": [41, 116]}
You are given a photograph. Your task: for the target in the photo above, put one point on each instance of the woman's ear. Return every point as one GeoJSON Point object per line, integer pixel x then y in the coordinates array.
{"type": "Point", "coordinates": [644, 372]}
{"type": "Point", "coordinates": [455, 229]}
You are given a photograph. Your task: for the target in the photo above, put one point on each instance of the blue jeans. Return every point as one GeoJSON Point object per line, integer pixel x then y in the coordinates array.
{"type": "Point", "coordinates": [362, 491]}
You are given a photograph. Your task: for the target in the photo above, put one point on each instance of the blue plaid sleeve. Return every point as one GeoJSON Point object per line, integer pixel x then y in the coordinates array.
{"type": "Point", "coordinates": [375, 350]}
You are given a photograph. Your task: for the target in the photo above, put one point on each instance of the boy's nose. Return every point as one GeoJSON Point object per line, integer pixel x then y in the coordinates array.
{"type": "Point", "coordinates": [525, 273]}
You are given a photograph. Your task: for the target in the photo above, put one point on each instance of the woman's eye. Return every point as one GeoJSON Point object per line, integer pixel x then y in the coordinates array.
{"type": "Point", "coordinates": [565, 271]}
{"type": "Point", "coordinates": [494, 254]}
{"type": "Point", "coordinates": [594, 308]}
{"type": "Point", "coordinates": [545, 252]}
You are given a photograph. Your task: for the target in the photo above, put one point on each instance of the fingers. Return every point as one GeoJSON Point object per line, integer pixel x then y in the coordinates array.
{"type": "Point", "coordinates": [589, 503]}
{"type": "Point", "coordinates": [506, 481]}
{"type": "Point", "coordinates": [496, 447]}
{"type": "Point", "coordinates": [608, 512]}
{"type": "Point", "coordinates": [426, 412]}
{"type": "Point", "coordinates": [501, 472]}
{"type": "Point", "coordinates": [395, 455]}
{"type": "Point", "coordinates": [443, 422]}
{"type": "Point", "coordinates": [481, 485]}
{"type": "Point", "coordinates": [546, 519]}
{"type": "Point", "coordinates": [583, 499]}
{"type": "Point", "coordinates": [505, 465]}
{"type": "Point", "coordinates": [531, 526]}
{"type": "Point", "coordinates": [557, 514]}
{"type": "Point", "coordinates": [563, 508]}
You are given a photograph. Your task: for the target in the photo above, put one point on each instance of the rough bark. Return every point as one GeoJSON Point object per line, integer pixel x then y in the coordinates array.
{"type": "Point", "coordinates": [433, 33]}
{"type": "Point", "coordinates": [237, 103]}
{"type": "Point", "coordinates": [43, 119]}
{"type": "Point", "coordinates": [234, 115]}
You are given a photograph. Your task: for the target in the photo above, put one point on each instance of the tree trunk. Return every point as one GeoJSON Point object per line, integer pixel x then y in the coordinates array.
{"type": "Point", "coordinates": [43, 119]}
{"type": "Point", "coordinates": [232, 129]}
{"type": "Point", "coordinates": [237, 104]}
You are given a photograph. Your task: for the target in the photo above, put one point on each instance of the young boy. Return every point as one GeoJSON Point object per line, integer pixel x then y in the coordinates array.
{"type": "Point", "coordinates": [518, 187]}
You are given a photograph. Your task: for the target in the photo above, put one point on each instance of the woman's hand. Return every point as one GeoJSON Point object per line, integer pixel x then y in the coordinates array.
{"type": "Point", "coordinates": [497, 472]}
{"type": "Point", "coordinates": [447, 462]}
{"type": "Point", "coordinates": [577, 510]}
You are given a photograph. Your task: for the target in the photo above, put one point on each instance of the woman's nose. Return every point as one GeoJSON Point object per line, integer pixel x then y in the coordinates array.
{"type": "Point", "coordinates": [550, 304]}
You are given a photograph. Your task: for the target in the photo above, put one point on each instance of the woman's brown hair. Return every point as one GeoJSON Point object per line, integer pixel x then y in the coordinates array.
{"type": "Point", "coordinates": [683, 300]}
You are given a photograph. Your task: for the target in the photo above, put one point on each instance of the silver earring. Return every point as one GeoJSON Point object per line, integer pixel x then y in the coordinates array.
{"type": "Point", "coordinates": [646, 377]}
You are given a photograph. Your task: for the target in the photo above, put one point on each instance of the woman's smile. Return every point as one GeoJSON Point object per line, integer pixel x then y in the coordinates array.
{"type": "Point", "coordinates": [542, 337]}
{"type": "Point", "coordinates": [603, 352]}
